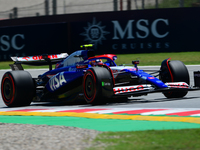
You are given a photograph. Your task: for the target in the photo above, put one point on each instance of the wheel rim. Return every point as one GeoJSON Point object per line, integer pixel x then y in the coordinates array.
{"type": "Point", "coordinates": [89, 87]}
{"type": "Point", "coordinates": [8, 90]}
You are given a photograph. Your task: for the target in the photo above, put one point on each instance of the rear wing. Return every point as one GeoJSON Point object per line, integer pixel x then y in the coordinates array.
{"type": "Point", "coordinates": [38, 60]}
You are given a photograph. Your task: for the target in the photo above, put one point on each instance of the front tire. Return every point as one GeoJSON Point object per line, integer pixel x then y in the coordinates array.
{"type": "Point", "coordinates": [93, 81]}
{"type": "Point", "coordinates": [175, 71]}
{"type": "Point", "coordinates": [17, 88]}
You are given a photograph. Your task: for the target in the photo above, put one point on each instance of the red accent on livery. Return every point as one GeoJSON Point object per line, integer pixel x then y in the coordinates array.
{"type": "Point", "coordinates": [40, 57]}
{"type": "Point", "coordinates": [131, 69]}
{"type": "Point", "coordinates": [50, 75]}
{"type": "Point", "coordinates": [53, 56]}
{"type": "Point", "coordinates": [128, 89]}
{"type": "Point", "coordinates": [178, 85]}
{"type": "Point", "coordinates": [81, 66]}
{"type": "Point", "coordinates": [110, 56]}
{"type": "Point", "coordinates": [8, 101]}
{"type": "Point", "coordinates": [170, 70]}
{"type": "Point", "coordinates": [115, 71]}
{"type": "Point", "coordinates": [91, 99]}
{"type": "Point", "coordinates": [26, 58]}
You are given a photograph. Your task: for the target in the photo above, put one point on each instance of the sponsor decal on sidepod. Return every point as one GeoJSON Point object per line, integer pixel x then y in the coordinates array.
{"type": "Point", "coordinates": [57, 81]}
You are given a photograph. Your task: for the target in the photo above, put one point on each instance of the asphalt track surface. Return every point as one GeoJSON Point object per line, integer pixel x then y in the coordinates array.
{"type": "Point", "coordinates": [154, 110]}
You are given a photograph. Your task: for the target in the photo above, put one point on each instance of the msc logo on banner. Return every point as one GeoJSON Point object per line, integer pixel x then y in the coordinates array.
{"type": "Point", "coordinates": [141, 29]}
{"type": "Point", "coordinates": [130, 34]}
{"type": "Point", "coordinates": [94, 33]}
{"type": "Point", "coordinates": [8, 42]}
{"type": "Point", "coordinates": [11, 45]}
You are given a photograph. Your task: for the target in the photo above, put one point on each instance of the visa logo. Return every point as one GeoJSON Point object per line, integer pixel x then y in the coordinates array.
{"type": "Point", "coordinates": [57, 81]}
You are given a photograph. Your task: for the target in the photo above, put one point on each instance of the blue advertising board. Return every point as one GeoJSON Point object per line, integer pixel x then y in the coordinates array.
{"type": "Point", "coordinates": [136, 31]}
{"type": "Point", "coordinates": [32, 40]}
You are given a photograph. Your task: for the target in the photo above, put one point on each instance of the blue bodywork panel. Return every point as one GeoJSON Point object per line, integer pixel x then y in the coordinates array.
{"type": "Point", "coordinates": [70, 71]}
{"type": "Point", "coordinates": [146, 78]}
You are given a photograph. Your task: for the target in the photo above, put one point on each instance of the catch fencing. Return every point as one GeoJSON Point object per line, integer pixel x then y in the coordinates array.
{"type": "Point", "coordinates": [20, 8]}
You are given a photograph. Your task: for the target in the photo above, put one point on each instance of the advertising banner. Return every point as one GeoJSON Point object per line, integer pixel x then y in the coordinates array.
{"type": "Point", "coordinates": [32, 40]}
{"type": "Point", "coordinates": [143, 31]}
{"type": "Point", "coordinates": [137, 31]}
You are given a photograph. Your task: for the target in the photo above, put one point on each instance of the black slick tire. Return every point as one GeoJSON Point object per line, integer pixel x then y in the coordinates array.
{"type": "Point", "coordinates": [17, 88]}
{"type": "Point", "coordinates": [92, 85]}
{"type": "Point", "coordinates": [179, 73]}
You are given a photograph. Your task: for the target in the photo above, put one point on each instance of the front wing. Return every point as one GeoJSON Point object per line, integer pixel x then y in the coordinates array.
{"type": "Point", "coordinates": [145, 89]}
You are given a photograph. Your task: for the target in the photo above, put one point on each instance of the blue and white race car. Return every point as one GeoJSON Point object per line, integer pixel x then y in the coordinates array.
{"type": "Point", "coordinates": [96, 79]}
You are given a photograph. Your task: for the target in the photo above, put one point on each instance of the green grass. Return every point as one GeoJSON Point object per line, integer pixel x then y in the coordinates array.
{"type": "Point", "coordinates": [146, 59]}
{"type": "Point", "coordinates": [173, 4]}
{"type": "Point", "coordinates": [149, 59]}
{"type": "Point", "coordinates": [185, 139]}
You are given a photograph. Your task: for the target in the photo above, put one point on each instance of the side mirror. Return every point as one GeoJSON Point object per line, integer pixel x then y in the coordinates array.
{"type": "Point", "coordinates": [134, 62]}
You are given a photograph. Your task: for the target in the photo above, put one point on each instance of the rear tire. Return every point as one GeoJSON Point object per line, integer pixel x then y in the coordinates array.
{"type": "Point", "coordinates": [17, 88]}
{"type": "Point", "coordinates": [179, 73]}
{"type": "Point", "coordinates": [92, 85]}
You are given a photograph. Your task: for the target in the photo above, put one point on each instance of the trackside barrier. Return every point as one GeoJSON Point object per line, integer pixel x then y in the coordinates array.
{"type": "Point", "coordinates": [118, 32]}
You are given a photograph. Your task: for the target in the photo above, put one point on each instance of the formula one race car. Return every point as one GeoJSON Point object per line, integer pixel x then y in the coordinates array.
{"type": "Point", "coordinates": [94, 78]}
